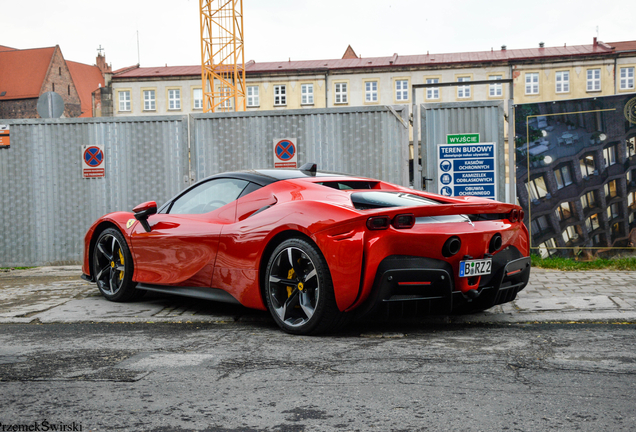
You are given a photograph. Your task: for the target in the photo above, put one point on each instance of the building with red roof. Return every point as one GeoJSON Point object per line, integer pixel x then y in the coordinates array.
{"type": "Point", "coordinates": [539, 74]}
{"type": "Point", "coordinates": [29, 73]}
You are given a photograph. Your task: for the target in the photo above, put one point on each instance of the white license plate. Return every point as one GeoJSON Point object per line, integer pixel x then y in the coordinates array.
{"type": "Point", "coordinates": [475, 267]}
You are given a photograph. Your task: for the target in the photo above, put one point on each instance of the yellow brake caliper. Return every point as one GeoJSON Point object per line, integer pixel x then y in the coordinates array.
{"type": "Point", "coordinates": [290, 275]}
{"type": "Point", "coordinates": [121, 260]}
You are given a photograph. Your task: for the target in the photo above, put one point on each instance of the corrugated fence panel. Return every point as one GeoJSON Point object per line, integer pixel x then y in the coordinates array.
{"type": "Point", "coordinates": [46, 204]}
{"type": "Point", "coordinates": [440, 119]}
{"type": "Point", "coordinates": [369, 142]}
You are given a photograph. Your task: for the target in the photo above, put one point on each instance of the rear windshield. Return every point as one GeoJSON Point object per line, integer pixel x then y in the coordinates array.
{"type": "Point", "coordinates": [373, 200]}
{"type": "Point", "coordinates": [349, 184]}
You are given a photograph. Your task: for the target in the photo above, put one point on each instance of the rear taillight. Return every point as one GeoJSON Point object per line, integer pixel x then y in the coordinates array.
{"type": "Point", "coordinates": [514, 215]}
{"type": "Point", "coordinates": [378, 222]}
{"type": "Point", "coordinates": [522, 215]}
{"type": "Point", "coordinates": [403, 221]}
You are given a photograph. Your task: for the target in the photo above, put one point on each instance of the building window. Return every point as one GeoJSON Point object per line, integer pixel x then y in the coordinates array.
{"type": "Point", "coordinates": [563, 176]}
{"type": "Point", "coordinates": [587, 166]}
{"type": "Point", "coordinates": [630, 147]}
{"type": "Point", "coordinates": [613, 211]}
{"type": "Point", "coordinates": [149, 100]}
{"type": "Point", "coordinates": [547, 248]}
{"type": "Point", "coordinates": [225, 94]}
{"type": "Point", "coordinates": [588, 200]}
{"type": "Point", "coordinates": [174, 99]}
{"type": "Point", "coordinates": [609, 155]}
{"type": "Point", "coordinates": [252, 96]}
{"type": "Point", "coordinates": [495, 89]}
{"type": "Point", "coordinates": [280, 95]}
{"type": "Point", "coordinates": [197, 95]}
{"type": "Point", "coordinates": [627, 78]}
{"type": "Point", "coordinates": [532, 83]}
{"type": "Point", "coordinates": [124, 100]}
{"type": "Point", "coordinates": [307, 94]}
{"type": "Point", "coordinates": [341, 93]}
{"type": "Point", "coordinates": [539, 225]}
{"type": "Point", "coordinates": [564, 211]}
{"type": "Point", "coordinates": [563, 82]}
{"type": "Point", "coordinates": [432, 92]}
{"type": "Point", "coordinates": [463, 91]}
{"type": "Point", "coordinates": [401, 90]}
{"type": "Point", "coordinates": [593, 80]}
{"type": "Point", "coordinates": [570, 234]}
{"type": "Point", "coordinates": [371, 91]}
{"type": "Point", "coordinates": [592, 223]}
{"type": "Point", "coordinates": [537, 188]}
{"type": "Point", "coordinates": [611, 189]}
{"type": "Point", "coordinates": [597, 240]}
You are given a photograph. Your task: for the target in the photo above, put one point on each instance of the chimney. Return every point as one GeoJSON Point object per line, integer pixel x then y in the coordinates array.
{"type": "Point", "coordinates": [595, 42]}
{"type": "Point", "coordinates": [503, 47]}
{"type": "Point", "coordinates": [541, 45]}
{"type": "Point", "coordinates": [100, 62]}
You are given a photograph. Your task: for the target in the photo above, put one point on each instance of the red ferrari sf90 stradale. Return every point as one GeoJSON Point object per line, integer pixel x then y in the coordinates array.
{"type": "Point", "coordinates": [313, 248]}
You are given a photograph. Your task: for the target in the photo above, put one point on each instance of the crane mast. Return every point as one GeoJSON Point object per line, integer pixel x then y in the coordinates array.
{"type": "Point", "coordinates": [222, 56]}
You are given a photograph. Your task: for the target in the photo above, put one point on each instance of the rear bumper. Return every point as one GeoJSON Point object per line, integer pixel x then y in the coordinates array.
{"type": "Point", "coordinates": [416, 286]}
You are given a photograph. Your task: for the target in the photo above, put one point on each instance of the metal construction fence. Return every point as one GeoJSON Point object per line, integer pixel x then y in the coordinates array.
{"type": "Point", "coordinates": [485, 119]}
{"type": "Point", "coordinates": [371, 142]}
{"type": "Point", "coordinates": [46, 205]}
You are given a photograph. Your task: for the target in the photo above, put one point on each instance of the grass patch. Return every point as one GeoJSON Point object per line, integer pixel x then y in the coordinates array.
{"type": "Point", "coordinates": [15, 268]}
{"type": "Point", "coordinates": [568, 264]}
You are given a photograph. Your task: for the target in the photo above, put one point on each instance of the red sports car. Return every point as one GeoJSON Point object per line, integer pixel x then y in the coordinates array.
{"type": "Point", "coordinates": [314, 248]}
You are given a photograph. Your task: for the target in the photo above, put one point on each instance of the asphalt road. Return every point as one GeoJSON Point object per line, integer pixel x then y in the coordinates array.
{"type": "Point", "coordinates": [253, 377]}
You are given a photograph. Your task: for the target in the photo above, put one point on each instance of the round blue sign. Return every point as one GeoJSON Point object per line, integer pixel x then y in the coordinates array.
{"type": "Point", "coordinates": [446, 191]}
{"type": "Point", "coordinates": [93, 156]}
{"type": "Point", "coordinates": [446, 179]}
{"type": "Point", "coordinates": [285, 150]}
{"type": "Point", "coordinates": [446, 166]}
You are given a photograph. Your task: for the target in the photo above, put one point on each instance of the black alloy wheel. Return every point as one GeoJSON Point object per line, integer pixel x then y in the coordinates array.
{"type": "Point", "coordinates": [298, 289]}
{"type": "Point", "coordinates": [113, 267]}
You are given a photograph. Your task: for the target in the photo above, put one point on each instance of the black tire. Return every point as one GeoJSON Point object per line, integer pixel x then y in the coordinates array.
{"type": "Point", "coordinates": [113, 267]}
{"type": "Point", "coordinates": [299, 291]}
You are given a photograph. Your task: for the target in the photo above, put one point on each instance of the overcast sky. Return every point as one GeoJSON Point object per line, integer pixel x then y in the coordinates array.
{"type": "Point", "coordinates": [277, 30]}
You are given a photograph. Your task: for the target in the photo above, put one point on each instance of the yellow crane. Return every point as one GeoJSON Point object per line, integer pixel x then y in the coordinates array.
{"type": "Point", "coordinates": [222, 56]}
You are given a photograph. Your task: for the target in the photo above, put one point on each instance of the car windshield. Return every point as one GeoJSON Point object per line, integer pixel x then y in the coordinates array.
{"type": "Point", "coordinates": [372, 200]}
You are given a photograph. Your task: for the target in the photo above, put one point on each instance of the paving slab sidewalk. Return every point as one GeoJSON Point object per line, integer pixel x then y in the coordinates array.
{"type": "Point", "coordinates": [57, 294]}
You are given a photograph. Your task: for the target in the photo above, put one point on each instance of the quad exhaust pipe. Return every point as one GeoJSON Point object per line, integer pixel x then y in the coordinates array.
{"type": "Point", "coordinates": [451, 246]}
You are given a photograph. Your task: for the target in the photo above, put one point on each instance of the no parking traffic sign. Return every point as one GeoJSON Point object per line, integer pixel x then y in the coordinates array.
{"type": "Point", "coordinates": [93, 161]}
{"type": "Point", "coordinates": [285, 154]}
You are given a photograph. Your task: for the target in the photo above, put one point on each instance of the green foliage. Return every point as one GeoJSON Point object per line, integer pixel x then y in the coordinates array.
{"type": "Point", "coordinates": [569, 264]}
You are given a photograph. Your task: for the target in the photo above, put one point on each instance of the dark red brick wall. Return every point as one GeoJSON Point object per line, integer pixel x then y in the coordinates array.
{"type": "Point", "coordinates": [19, 109]}
{"type": "Point", "coordinates": [59, 80]}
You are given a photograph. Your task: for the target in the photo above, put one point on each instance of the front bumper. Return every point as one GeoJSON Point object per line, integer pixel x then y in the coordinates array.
{"type": "Point", "coordinates": [409, 286]}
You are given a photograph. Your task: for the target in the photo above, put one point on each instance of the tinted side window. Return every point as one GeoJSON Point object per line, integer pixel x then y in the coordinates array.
{"type": "Point", "coordinates": [249, 189]}
{"type": "Point", "coordinates": [208, 196]}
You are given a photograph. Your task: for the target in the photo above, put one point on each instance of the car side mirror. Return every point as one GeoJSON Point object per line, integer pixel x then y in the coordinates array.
{"type": "Point", "coordinates": [142, 211]}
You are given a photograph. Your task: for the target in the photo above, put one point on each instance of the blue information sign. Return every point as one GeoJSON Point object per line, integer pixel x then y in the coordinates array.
{"type": "Point", "coordinates": [467, 169]}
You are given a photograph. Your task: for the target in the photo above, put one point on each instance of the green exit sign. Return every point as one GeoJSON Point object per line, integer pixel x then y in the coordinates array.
{"type": "Point", "coordinates": [471, 138]}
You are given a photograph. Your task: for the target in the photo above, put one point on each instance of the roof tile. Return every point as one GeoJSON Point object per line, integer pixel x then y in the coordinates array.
{"type": "Point", "coordinates": [23, 72]}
